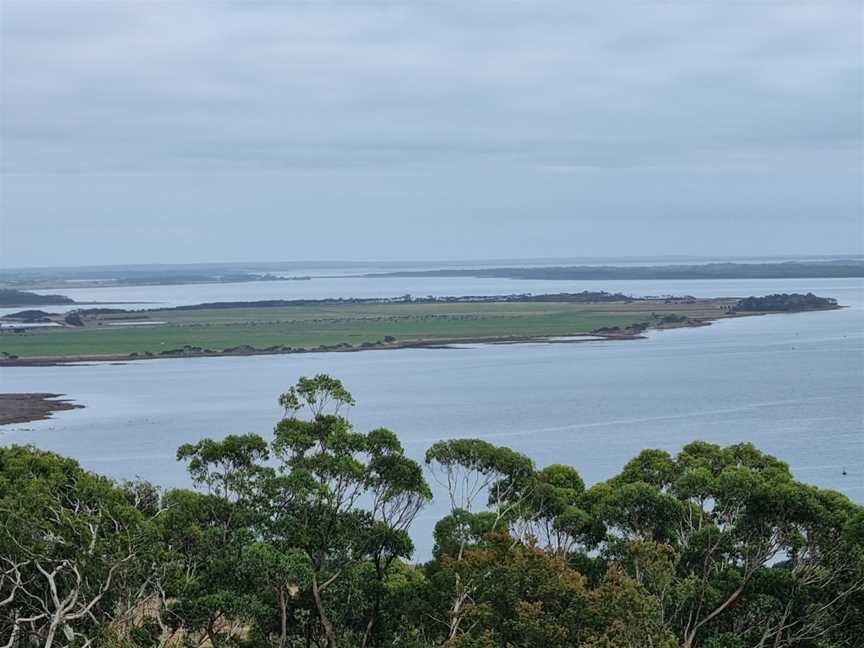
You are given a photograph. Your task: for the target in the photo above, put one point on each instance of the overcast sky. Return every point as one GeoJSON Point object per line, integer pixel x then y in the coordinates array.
{"type": "Point", "coordinates": [138, 131]}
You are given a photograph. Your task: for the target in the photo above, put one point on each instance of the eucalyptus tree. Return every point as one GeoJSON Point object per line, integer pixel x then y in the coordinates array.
{"type": "Point", "coordinates": [551, 512]}
{"type": "Point", "coordinates": [318, 393]}
{"type": "Point", "coordinates": [480, 477]}
{"type": "Point", "coordinates": [360, 493]}
{"type": "Point", "coordinates": [279, 571]}
{"type": "Point", "coordinates": [791, 554]}
{"type": "Point", "coordinates": [210, 532]}
{"type": "Point", "coordinates": [485, 485]}
{"type": "Point", "coordinates": [74, 552]}
{"type": "Point", "coordinates": [228, 468]}
{"type": "Point", "coordinates": [715, 532]}
{"type": "Point", "coordinates": [522, 595]}
{"type": "Point", "coordinates": [398, 492]}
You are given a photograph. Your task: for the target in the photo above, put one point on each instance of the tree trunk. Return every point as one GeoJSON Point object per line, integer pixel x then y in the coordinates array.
{"type": "Point", "coordinates": [370, 625]}
{"type": "Point", "coordinates": [690, 637]}
{"type": "Point", "coordinates": [368, 636]}
{"type": "Point", "coordinates": [368, 639]}
{"type": "Point", "coordinates": [52, 630]}
{"type": "Point", "coordinates": [322, 615]}
{"type": "Point", "coordinates": [458, 599]}
{"type": "Point", "coordinates": [455, 612]}
{"type": "Point", "coordinates": [283, 617]}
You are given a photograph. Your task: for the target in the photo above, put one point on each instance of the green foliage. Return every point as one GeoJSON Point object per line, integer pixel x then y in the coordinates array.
{"type": "Point", "coordinates": [523, 596]}
{"type": "Point", "coordinates": [784, 302]}
{"type": "Point", "coordinates": [317, 394]}
{"type": "Point", "coordinates": [227, 467]}
{"type": "Point", "coordinates": [469, 468]}
{"type": "Point", "coordinates": [340, 469]}
{"type": "Point", "coordinates": [304, 541]}
{"type": "Point", "coordinates": [74, 549]}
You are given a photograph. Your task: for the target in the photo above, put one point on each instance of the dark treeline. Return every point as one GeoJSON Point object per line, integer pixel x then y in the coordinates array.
{"type": "Point", "coordinates": [11, 297]}
{"type": "Point", "coordinates": [29, 316]}
{"type": "Point", "coordinates": [786, 270]}
{"type": "Point", "coordinates": [783, 302]}
{"type": "Point", "coordinates": [303, 540]}
{"type": "Point", "coordinates": [580, 297]}
{"type": "Point", "coordinates": [169, 279]}
{"type": "Point", "coordinates": [149, 277]}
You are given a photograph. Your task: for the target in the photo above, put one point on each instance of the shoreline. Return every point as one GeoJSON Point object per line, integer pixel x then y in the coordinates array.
{"type": "Point", "coordinates": [435, 343]}
{"type": "Point", "coordinates": [28, 407]}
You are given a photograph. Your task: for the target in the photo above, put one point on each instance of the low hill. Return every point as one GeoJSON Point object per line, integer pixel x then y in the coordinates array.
{"type": "Point", "coordinates": [11, 297]}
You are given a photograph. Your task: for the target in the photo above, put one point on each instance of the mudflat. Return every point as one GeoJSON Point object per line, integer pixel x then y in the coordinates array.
{"type": "Point", "coordinates": [23, 408]}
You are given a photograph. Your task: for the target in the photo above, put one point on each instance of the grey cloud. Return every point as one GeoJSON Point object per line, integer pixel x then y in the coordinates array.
{"type": "Point", "coordinates": [383, 103]}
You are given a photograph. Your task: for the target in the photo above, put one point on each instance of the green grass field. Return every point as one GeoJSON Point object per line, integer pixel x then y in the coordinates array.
{"type": "Point", "coordinates": [309, 327]}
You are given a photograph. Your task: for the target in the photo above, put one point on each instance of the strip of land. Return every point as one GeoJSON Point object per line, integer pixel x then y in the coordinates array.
{"type": "Point", "coordinates": [179, 274]}
{"type": "Point", "coordinates": [100, 280]}
{"type": "Point", "coordinates": [22, 408]}
{"type": "Point", "coordinates": [786, 270]}
{"type": "Point", "coordinates": [356, 325]}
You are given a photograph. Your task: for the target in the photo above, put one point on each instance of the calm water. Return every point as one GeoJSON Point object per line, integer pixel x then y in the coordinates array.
{"type": "Point", "coordinates": [792, 384]}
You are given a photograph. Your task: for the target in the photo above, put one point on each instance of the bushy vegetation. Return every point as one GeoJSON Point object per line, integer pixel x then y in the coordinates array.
{"type": "Point", "coordinates": [12, 297]}
{"type": "Point", "coordinates": [784, 302]}
{"type": "Point", "coordinates": [303, 540]}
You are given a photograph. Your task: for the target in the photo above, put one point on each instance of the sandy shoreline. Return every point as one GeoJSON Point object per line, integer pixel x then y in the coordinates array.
{"type": "Point", "coordinates": [436, 343]}
{"type": "Point", "coordinates": [23, 408]}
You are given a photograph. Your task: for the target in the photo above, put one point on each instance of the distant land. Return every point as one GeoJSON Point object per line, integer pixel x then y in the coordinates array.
{"type": "Point", "coordinates": [22, 408]}
{"type": "Point", "coordinates": [149, 278]}
{"type": "Point", "coordinates": [578, 268]}
{"type": "Point", "coordinates": [9, 297]}
{"type": "Point", "coordinates": [785, 270]}
{"type": "Point", "coordinates": [303, 326]}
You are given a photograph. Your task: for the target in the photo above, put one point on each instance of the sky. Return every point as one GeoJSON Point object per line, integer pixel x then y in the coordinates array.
{"type": "Point", "coordinates": [186, 131]}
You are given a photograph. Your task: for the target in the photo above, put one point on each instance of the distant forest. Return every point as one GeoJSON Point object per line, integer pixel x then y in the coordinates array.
{"type": "Point", "coordinates": [581, 297]}
{"type": "Point", "coordinates": [303, 540]}
{"type": "Point", "coordinates": [789, 270]}
{"type": "Point", "coordinates": [10, 297]}
{"type": "Point", "coordinates": [784, 302]}
{"type": "Point", "coordinates": [50, 278]}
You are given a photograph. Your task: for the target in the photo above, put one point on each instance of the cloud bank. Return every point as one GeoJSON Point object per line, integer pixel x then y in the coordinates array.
{"type": "Point", "coordinates": [192, 131]}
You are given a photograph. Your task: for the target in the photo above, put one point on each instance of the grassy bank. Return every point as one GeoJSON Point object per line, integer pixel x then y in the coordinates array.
{"type": "Point", "coordinates": [173, 332]}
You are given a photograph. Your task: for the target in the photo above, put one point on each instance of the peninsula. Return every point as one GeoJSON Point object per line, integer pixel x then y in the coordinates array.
{"type": "Point", "coordinates": [247, 328]}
